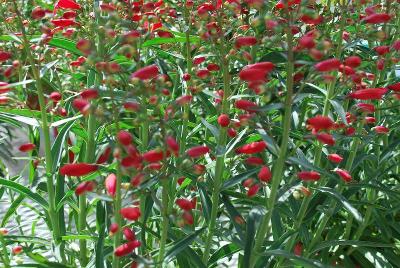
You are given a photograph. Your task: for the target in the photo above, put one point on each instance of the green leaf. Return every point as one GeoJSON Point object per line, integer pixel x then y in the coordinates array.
{"type": "Point", "coordinates": [181, 245]}
{"type": "Point", "coordinates": [309, 263]}
{"type": "Point", "coordinates": [12, 209]}
{"type": "Point", "coordinates": [253, 217]}
{"type": "Point", "coordinates": [333, 243]}
{"type": "Point", "coordinates": [23, 190]}
{"type": "Point", "coordinates": [238, 179]}
{"type": "Point", "coordinates": [58, 145]}
{"type": "Point", "coordinates": [342, 200]}
{"type": "Point", "coordinates": [224, 252]}
{"type": "Point", "coordinates": [213, 129]}
{"type": "Point", "coordinates": [339, 110]}
{"type": "Point", "coordinates": [174, 40]}
{"type": "Point", "coordinates": [27, 239]}
{"type": "Point", "coordinates": [65, 44]}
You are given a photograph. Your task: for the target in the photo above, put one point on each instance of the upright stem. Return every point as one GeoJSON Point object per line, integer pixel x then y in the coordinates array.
{"type": "Point", "coordinates": [220, 163]}
{"type": "Point", "coordinates": [5, 258]}
{"type": "Point", "coordinates": [279, 166]}
{"type": "Point", "coordinates": [165, 220]}
{"type": "Point", "coordinates": [45, 127]}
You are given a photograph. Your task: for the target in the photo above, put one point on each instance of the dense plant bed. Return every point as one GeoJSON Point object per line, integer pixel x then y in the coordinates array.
{"type": "Point", "coordinates": [187, 133]}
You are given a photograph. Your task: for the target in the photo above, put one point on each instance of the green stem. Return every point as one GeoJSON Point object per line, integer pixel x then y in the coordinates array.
{"type": "Point", "coordinates": [45, 127]}
{"type": "Point", "coordinates": [5, 257]}
{"type": "Point", "coordinates": [279, 166]}
{"type": "Point", "coordinates": [165, 220]}
{"type": "Point", "coordinates": [220, 163]}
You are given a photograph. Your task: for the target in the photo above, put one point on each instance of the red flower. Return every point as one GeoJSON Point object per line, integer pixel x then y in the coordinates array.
{"type": "Point", "coordinates": [298, 249]}
{"type": "Point", "coordinates": [366, 107]}
{"type": "Point", "coordinates": [4, 87]}
{"type": "Point", "coordinates": [308, 175]}
{"type": "Point", "coordinates": [63, 22]}
{"type": "Point", "coordinates": [4, 56]}
{"type": "Point", "coordinates": [111, 184]}
{"type": "Point", "coordinates": [27, 147]}
{"type": "Point", "coordinates": [368, 94]}
{"type": "Point", "coordinates": [113, 228]}
{"type": "Point", "coordinates": [223, 120]}
{"type": "Point", "coordinates": [124, 137]}
{"type": "Point", "coordinates": [148, 72]}
{"type": "Point", "coordinates": [265, 174]}
{"type": "Point", "coordinates": [126, 248]}
{"type": "Point", "coordinates": [188, 218]}
{"type": "Point", "coordinates": [394, 87]}
{"type": "Point", "coordinates": [244, 41]}
{"type": "Point", "coordinates": [153, 156]}
{"type": "Point", "coordinates": [130, 213]}
{"type": "Point", "coordinates": [325, 138]}
{"type": "Point", "coordinates": [381, 129]}
{"type": "Point", "coordinates": [352, 61]}
{"type": "Point", "coordinates": [246, 105]}
{"type": "Point", "coordinates": [78, 169]}
{"type": "Point", "coordinates": [377, 18]}
{"type": "Point", "coordinates": [320, 122]}
{"type": "Point", "coordinates": [344, 174]}
{"type": "Point", "coordinates": [89, 94]}
{"type": "Point", "coordinates": [335, 158]}
{"type": "Point", "coordinates": [252, 148]}
{"type": "Point", "coordinates": [129, 234]}
{"type": "Point", "coordinates": [67, 4]}
{"type": "Point", "coordinates": [81, 104]}
{"type": "Point", "coordinates": [172, 145]}
{"type": "Point", "coordinates": [84, 187]}
{"type": "Point", "coordinates": [17, 250]}
{"type": "Point", "coordinates": [104, 156]}
{"type": "Point", "coordinates": [253, 190]}
{"type": "Point", "coordinates": [197, 151]}
{"type": "Point", "coordinates": [256, 72]}
{"type": "Point", "coordinates": [328, 65]}
{"type": "Point", "coordinates": [184, 204]}
{"type": "Point", "coordinates": [255, 161]}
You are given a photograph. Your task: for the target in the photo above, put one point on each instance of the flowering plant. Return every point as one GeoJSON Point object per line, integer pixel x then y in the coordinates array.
{"type": "Point", "coordinates": [193, 133]}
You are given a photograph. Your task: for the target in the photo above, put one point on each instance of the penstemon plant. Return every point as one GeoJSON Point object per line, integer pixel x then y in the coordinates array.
{"type": "Point", "coordinates": [181, 133]}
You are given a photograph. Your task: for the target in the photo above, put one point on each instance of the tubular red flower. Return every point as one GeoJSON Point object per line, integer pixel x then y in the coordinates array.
{"type": "Point", "coordinates": [320, 122]}
{"type": "Point", "coordinates": [84, 187]}
{"type": "Point", "coordinates": [126, 248]}
{"type": "Point", "coordinates": [246, 105]}
{"type": "Point", "coordinates": [368, 94]}
{"type": "Point", "coordinates": [298, 249]}
{"type": "Point", "coordinates": [256, 72]}
{"type": "Point", "coordinates": [377, 18]}
{"type": "Point", "coordinates": [67, 4]}
{"type": "Point", "coordinates": [253, 190]}
{"type": "Point", "coordinates": [223, 120]}
{"type": "Point", "coordinates": [344, 174]}
{"type": "Point", "coordinates": [148, 72]}
{"type": "Point", "coordinates": [113, 228]}
{"type": "Point", "coordinates": [255, 161]}
{"type": "Point", "coordinates": [197, 151]}
{"type": "Point", "coordinates": [153, 156]}
{"type": "Point", "coordinates": [394, 87]}
{"type": "Point", "coordinates": [17, 250]}
{"type": "Point", "coordinates": [104, 156]}
{"type": "Point", "coordinates": [130, 213]}
{"type": "Point", "coordinates": [77, 169]}
{"type": "Point", "coordinates": [172, 145]}
{"type": "Point", "coordinates": [252, 148]}
{"type": "Point", "coordinates": [184, 204]}
{"type": "Point", "coordinates": [111, 184]}
{"type": "Point", "coordinates": [325, 138]}
{"type": "Point", "coordinates": [265, 174]}
{"type": "Point", "coordinates": [4, 87]}
{"type": "Point", "coordinates": [4, 56]}
{"type": "Point", "coordinates": [328, 65]}
{"type": "Point", "coordinates": [188, 218]}
{"type": "Point", "coordinates": [129, 234]}
{"type": "Point", "coordinates": [308, 175]}
{"type": "Point", "coordinates": [335, 158]}
{"type": "Point", "coordinates": [244, 41]}
{"type": "Point", "coordinates": [27, 147]}
{"type": "Point", "coordinates": [352, 61]}
{"type": "Point", "coordinates": [63, 22]}
{"type": "Point", "coordinates": [381, 129]}
{"type": "Point", "coordinates": [124, 137]}
{"type": "Point", "coordinates": [366, 107]}
{"type": "Point", "coordinates": [81, 104]}
{"type": "Point", "coordinates": [89, 94]}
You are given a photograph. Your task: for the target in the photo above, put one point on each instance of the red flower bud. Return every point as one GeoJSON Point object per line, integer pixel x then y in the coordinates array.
{"type": "Point", "coordinates": [90, 94]}
{"type": "Point", "coordinates": [255, 161]}
{"type": "Point", "coordinates": [252, 148]}
{"type": "Point", "coordinates": [77, 169]}
{"type": "Point", "coordinates": [377, 18]}
{"type": "Point", "coordinates": [126, 248]}
{"type": "Point", "coordinates": [86, 186]}
{"type": "Point", "coordinates": [328, 65]}
{"type": "Point", "coordinates": [55, 96]}
{"type": "Point", "coordinates": [184, 204]}
{"type": "Point", "coordinates": [4, 87]}
{"type": "Point", "coordinates": [344, 174]}
{"type": "Point", "coordinates": [366, 107]}
{"type": "Point", "coordinates": [113, 228]}
{"type": "Point", "coordinates": [172, 145]}
{"type": "Point", "coordinates": [223, 120]}
{"type": "Point", "coordinates": [129, 234]}
{"type": "Point", "coordinates": [62, 23]}
{"type": "Point", "coordinates": [256, 72]}
{"type": "Point", "coordinates": [265, 174]}
{"type": "Point", "coordinates": [145, 73]}
{"type": "Point", "coordinates": [320, 122]}
{"type": "Point", "coordinates": [17, 250]}
{"type": "Point", "coordinates": [325, 138]}
{"type": "Point", "coordinates": [308, 175]}
{"type": "Point", "coordinates": [67, 4]}
{"type": "Point", "coordinates": [38, 13]}
{"type": "Point", "coordinates": [394, 87]}
{"type": "Point", "coordinates": [188, 218]}
{"type": "Point", "coordinates": [124, 137]}
{"type": "Point", "coordinates": [153, 156]}
{"type": "Point", "coordinates": [335, 158]}
{"type": "Point", "coordinates": [368, 94]}
{"type": "Point", "coordinates": [111, 184]}
{"type": "Point", "coordinates": [298, 249]}
{"type": "Point", "coordinates": [197, 151]}
{"type": "Point", "coordinates": [352, 61]}
{"type": "Point", "coordinates": [130, 213]}
{"type": "Point", "coordinates": [4, 56]}
{"type": "Point", "coordinates": [245, 41]}
{"type": "Point", "coordinates": [253, 190]}
{"type": "Point", "coordinates": [104, 156]}
{"type": "Point", "coordinates": [27, 147]}
{"type": "Point", "coordinates": [81, 104]}
{"type": "Point", "coordinates": [370, 120]}
{"type": "Point", "coordinates": [381, 129]}
{"type": "Point", "coordinates": [246, 105]}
